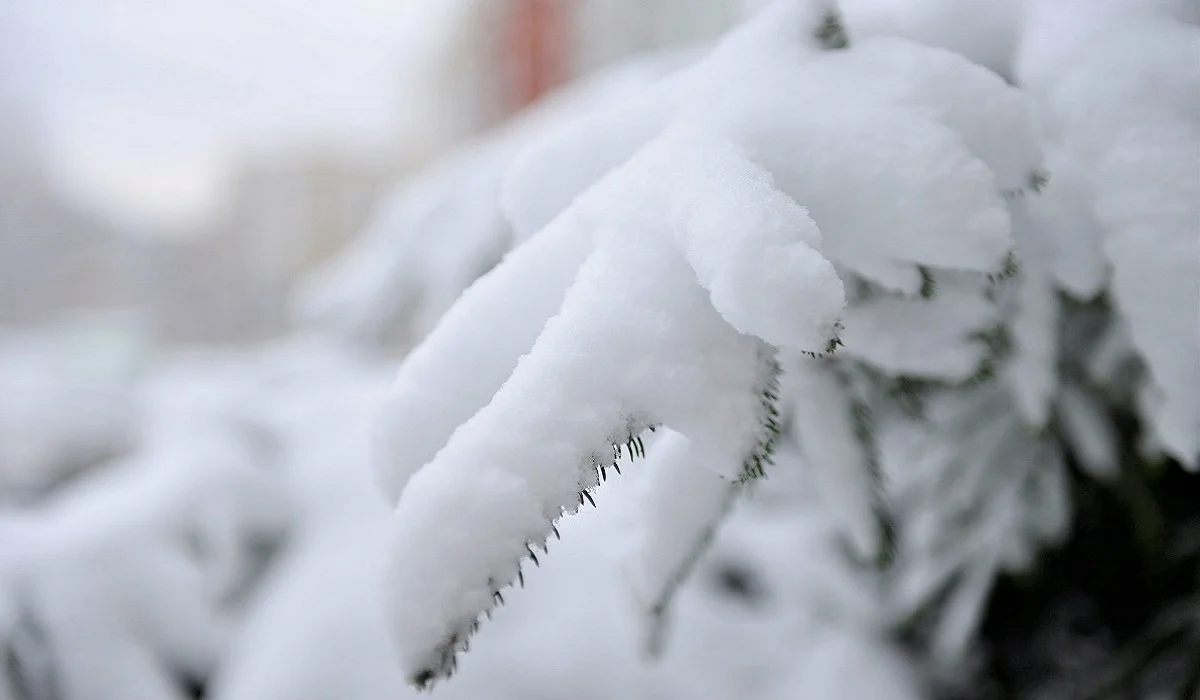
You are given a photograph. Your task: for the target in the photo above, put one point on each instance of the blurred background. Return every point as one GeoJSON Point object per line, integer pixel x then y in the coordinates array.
{"type": "Point", "coordinates": [190, 160]}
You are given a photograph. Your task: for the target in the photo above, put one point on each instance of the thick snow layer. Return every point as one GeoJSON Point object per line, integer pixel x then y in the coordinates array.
{"type": "Point", "coordinates": [434, 393]}
{"type": "Point", "coordinates": [770, 279]}
{"type": "Point", "coordinates": [932, 201]}
{"type": "Point", "coordinates": [675, 275]}
{"type": "Point", "coordinates": [889, 101]}
{"type": "Point", "coordinates": [637, 342]}
{"type": "Point", "coordinates": [993, 119]}
{"type": "Point", "coordinates": [1153, 239]}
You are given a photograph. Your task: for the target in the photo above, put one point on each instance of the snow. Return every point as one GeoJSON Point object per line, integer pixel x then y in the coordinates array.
{"type": "Point", "coordinates": [823, 424]}
{"type": "Point", "coordinates": [440, 229]}
{"type": "Point", "coordinates": [1124, 117]}
{"type": "Point", "coordinates": [945, 211]}
{"type": "Point", "coordinates": [680, 512]}
{"type": "Point", "coordinates": [1062, 231]}
{"type": "Point", "coordinates": [984, 31]}
{"type": "Point", "coordinates": [612, 362]}
{"type": "Point", "coordinates": [659, 277]}
{"type": "Point", "coordinates": [652, 249]}
{"type": "Point", "coordinates": [1035, 315]}
{"type": "Point", "coordinates": [431, 395]}
{"type": "Point", "coordinates": [849, 665]}
{"type": "Point", "coordinates": [994, 119]}
{"type": "Point", "coordinates": [1090, 431]}
{"type": "Point", "coordinates": [968, 507]}
{"type": "Point", "coordinates": [931, 338]}
{"type": "Point", "coordinates": [906, 114]}
{"type": "Point", "coordinates": [66, 401]}
{"type": "Point", "coordinates": [132, 571]}
{"type": "Point", "coordinates": [328, 590]}
{"type": "Point", "coordinates": [755, 279]}
{"type": "Point", "coordinates": [1168, 224]}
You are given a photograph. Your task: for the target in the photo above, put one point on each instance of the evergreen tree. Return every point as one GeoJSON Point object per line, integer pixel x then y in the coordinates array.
{"type": "Point", "coordinates": [966, 298]}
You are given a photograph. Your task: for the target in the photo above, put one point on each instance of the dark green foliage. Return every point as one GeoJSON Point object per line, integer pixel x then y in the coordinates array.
{"type": "Point", "coordinates": [755, 465]}
{"type": "Point", "coordinates": [928, 285]}
{"type": "Point", "coordinates": [831, 33]}
{"type": "Point", "coordinates": [1103, 618]}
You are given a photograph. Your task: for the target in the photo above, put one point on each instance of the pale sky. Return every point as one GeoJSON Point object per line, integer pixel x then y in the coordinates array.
{"type": "Point", "coordinates": [142, 101]}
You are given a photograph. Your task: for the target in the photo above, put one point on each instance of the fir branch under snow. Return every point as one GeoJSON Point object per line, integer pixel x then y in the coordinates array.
{"type": "Point", "coordinates": [675, 277]}
{"type": "Point", "coordinates": [637, 342]}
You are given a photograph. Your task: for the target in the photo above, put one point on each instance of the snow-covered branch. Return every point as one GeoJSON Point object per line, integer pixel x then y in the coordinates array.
{"type": "Point", "coordinates": [661, 292]}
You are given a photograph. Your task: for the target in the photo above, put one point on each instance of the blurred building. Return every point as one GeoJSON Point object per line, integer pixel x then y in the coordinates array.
{"type": "Point", "coordinates": [224, 278]}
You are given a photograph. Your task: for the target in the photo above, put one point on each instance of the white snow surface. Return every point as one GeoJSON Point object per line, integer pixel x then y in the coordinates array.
{"type": "Point", "coordinates": [985, 31]}
{"type": "Point", "coordinates": [620, 355]}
